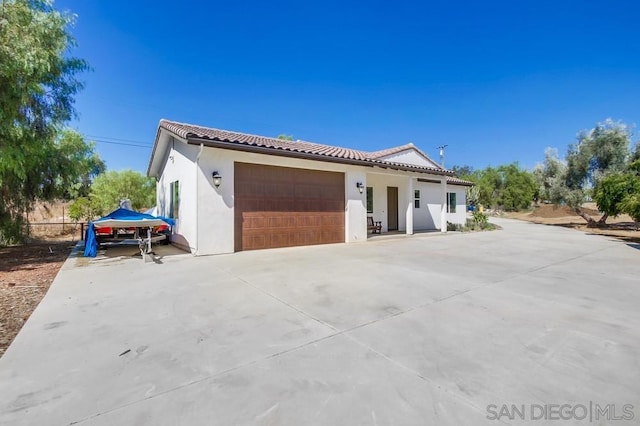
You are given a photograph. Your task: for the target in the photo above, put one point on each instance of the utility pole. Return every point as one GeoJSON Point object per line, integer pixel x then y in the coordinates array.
{"type": "Point", "coordinates": [441, 148]}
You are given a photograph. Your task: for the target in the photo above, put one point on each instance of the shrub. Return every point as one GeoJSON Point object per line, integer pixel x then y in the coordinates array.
{"type": "Point", "coordinates": [480, 219]}
{"type": "Point", "coordinates": [454, 227]}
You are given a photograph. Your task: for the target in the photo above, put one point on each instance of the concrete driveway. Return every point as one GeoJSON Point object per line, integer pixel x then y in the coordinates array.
{"type": "Point", "coordinates": [431, 329]}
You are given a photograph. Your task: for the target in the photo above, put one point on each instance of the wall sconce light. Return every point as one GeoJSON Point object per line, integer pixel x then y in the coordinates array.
{"type": "Point", "coordinates": [217, 179]}
{"type": "Point", "coordinates": [360, 187]}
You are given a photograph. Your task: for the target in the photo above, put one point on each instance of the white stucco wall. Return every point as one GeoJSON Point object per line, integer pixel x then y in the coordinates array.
{"type": "Point", "coordinates": [355, 206]}
{"type": "Point", "coordinates": [410, 156]}
{"type": "Point", "coordinates": [428, 215]}
{"type": "Point", "coordinates": [460, 216]}
{"type": "Point", "coordinates": [215, 205]}
{"type": "Point", "coordinates": [206, 218]}
{"type": "Point", "coordinates": [179, 166]}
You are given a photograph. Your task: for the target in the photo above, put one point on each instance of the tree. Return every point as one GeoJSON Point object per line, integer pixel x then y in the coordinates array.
{"type": "Point", "coordinates": [518, 188]}
{"type": "Point", "coordinates": [82, 209]}
{"type": "Point", "coordinates": [631, 206]}
{"type": "Point", "coordinates": [463, 172]}
{"type": "Point", "coordinates": [599, 152]}
{"type": "Point", "coordinates": [79, 164]}
{"type": "Point", "coordinates": [550, 176]}
{"type": "Point", "coordinates": [285, 137]}
{"type": "Point", "coordinates": [612, 190]}
{"type": "Point", "coordinates": [37, 88]}
{"type": "Point", "coordinates": [507, 186]}
{"type": "Point", "coordinates": [110, 187]}
{"type": "Point", "coordinates": [473, 195]}
{"type": "Point", "coordinates": [619, 193]}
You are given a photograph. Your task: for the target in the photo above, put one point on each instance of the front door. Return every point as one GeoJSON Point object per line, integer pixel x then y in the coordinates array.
{"type": "Point", "coordinates": [392, 208]}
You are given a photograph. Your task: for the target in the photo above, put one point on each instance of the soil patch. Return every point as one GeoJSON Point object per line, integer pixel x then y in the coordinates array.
{"type": "Point", "coordinates": [621, 227]}
{"type": "Point", "coordinates": [553, 211]}
{"type": "Point", "coordinates": [26, 273]}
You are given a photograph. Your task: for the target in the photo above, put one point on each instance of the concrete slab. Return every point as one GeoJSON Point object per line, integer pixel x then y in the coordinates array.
{"type": "Point", "coordinates": [429, 329]}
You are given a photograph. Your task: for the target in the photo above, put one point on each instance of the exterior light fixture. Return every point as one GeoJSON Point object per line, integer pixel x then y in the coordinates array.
{"type": "Point", "coordinates": [360, 187]}
{"type": "Point", "coordinates": [217, 179]}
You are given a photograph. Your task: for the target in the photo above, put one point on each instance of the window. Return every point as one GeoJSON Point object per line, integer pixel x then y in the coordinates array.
{"type": "Point", "coordinates": [451, 202]}
{"type": "Point", "coordinates": [369, 199]}
{"type": "Point", "coordinates": [416, 199]}
{"type": "Point", "coordinates": [174, 203]}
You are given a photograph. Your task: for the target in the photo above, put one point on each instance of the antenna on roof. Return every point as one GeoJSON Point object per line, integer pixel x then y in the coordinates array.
{"type": "Point", "coordinates": [441, 148]}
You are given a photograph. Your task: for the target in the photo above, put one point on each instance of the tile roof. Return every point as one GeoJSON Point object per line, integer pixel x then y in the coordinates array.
{"type": "Point", "coordinates": [391, 151]}
{"type": "Point", "coordinates": [191, 132]}
{"type": "Point", "coordinates": [457, 181]}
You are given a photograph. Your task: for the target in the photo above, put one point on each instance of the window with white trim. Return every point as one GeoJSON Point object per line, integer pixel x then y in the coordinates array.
{"type": "Point", "coordinates": [451, 202]}
{"type": "Point", "coordinates": [174, 199]}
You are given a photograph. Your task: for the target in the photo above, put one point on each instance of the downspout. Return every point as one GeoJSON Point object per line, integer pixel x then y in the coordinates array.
{"type": "Point", "coordinates": [197, 197]}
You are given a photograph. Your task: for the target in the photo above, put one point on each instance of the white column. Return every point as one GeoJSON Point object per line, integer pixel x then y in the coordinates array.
{"type": "Point", "coordinates": [443, 210]}
{"type": "Point", "coordinates": [355, 207]}
{"type": "Point", "coordinates": [409, 214]}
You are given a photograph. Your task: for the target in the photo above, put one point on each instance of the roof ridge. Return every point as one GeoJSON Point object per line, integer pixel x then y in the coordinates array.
{"type": "Point", "coordinates": [178, 123]}
{"type": "Point", "coordinates": [400, 148]}
{"type": "Point", "coordinates": [297, 142]}
{"type": "Point", "coordinates": [194, 133]}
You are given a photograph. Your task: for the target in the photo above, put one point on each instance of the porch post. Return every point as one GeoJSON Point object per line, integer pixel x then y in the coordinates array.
{"type": "Point", "coordinates": [443, 210]}
{"type": "Point", "coordinates": [409, 216]}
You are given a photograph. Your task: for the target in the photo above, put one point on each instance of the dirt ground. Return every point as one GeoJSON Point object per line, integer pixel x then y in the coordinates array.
{"type": "Point", "coordinates": [621, 227]}
{"type": "Point", "coordinates": [26, 272]}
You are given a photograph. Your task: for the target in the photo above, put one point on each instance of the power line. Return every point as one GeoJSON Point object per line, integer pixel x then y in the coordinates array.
{"type": "Point", "coordinates": [122, 143]}
{"type": "Point", "coordinates": [116, 139]}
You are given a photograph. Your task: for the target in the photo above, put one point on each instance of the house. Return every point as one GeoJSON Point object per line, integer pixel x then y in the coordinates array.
{"type": "Point", "coordinates": [231, 191]}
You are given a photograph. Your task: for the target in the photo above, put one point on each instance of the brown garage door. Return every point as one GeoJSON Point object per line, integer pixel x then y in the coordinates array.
{"type": "Point", "coordinates": [284, 207]}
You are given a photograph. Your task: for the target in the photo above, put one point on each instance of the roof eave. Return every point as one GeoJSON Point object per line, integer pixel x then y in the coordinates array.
{"type": "Point", "coordinates": [153, 152]}
{"type": "Point", "coordinates": [214, 143]}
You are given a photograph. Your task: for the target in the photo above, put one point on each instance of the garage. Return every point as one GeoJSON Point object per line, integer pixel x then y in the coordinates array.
{"type": "Point", "coordinates": [286, 207]}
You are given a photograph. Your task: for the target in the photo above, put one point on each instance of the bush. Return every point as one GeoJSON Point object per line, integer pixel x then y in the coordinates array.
{"type": "Point", "coordinates": [480, 219]}
{"type": "Point", "coordinates": [454, 227]}
{"type": "Point", "coordinates": [479, 222]}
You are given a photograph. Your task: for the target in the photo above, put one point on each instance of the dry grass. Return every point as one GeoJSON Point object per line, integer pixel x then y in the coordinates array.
{"type": "Point", "coordinates": [51, 221]}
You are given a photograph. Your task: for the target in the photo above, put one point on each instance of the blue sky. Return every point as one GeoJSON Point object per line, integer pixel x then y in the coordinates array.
{"type": "Point", "coordinates": [497, 81]}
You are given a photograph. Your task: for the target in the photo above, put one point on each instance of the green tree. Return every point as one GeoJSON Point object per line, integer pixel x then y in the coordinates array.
{"type": "Point", "coordinates": [550, 176]}
{"type": "Point", "coordinates": [507, 186]}
{"type": "Point", "coordinates": [285, 137]}
{"type": "Point", "coordinates": [37, 88]}
{"type": "Point", "coordinates": [599, 152]}
{"type": "Point", "coordinates": [619, 193]}
{"type": "Point", "coordinates": [518, 188]}
{"type": "Point", "coordinates": [463, 172]}
{"type": "Point", "coordinates": [631, 206]}
{"type": "Point", "coordinates": [110, 187]}
{"type": "Point", "coordinates": [473, 195]}
{"type": "Point", "coordinates": [82, 209]}
{"type": "Point", "coordinates": [79, 164]}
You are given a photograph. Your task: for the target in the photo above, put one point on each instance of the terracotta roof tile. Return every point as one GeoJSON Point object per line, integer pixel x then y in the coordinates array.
{"type": "Point", "coordinates": [191, 132]}
{"type": "Point", "coordinates": [457, 181]}
{"type": "Point", "coordinates": [390, 151]}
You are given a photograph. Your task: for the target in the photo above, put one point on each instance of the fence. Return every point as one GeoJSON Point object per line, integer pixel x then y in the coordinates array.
{"type": "Point", "coordinates": [56, 230]}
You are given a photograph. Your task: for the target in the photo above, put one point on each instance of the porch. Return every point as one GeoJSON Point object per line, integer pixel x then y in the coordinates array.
{"type": "Point", "coordinates": [406, 204]}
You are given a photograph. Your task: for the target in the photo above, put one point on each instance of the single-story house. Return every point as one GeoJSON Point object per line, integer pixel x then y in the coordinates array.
{"type": "Point", "coordinates": [230, 191]}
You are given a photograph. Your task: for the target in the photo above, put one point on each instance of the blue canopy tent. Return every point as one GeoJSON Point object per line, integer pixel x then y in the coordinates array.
{"type": "Point", "coordinates": [121, 218]}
